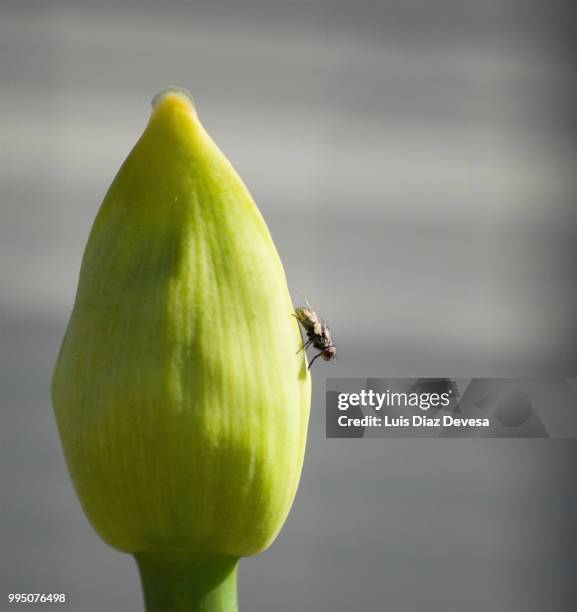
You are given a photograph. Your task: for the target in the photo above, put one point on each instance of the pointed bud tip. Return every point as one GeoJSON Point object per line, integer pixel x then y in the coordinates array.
{"type": "Point", "coordinates": [173, 95]}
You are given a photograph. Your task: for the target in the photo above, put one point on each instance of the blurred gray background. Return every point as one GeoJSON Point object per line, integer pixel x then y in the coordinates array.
{"type": "Point", "coordinates": [415, 164]}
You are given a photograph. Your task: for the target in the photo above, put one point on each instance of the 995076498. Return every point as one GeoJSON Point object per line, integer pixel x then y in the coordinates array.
{"type": "Point", "coordinates": [36, 598]}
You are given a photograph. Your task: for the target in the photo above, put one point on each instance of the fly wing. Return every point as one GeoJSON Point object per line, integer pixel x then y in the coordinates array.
{"type": "Point", "coordinates": [327, 334]}
{"type": "Point", "coordinates": [312, 316]}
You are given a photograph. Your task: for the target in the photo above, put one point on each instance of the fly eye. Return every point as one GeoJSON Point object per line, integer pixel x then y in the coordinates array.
{"type": "Point", "coordinates": [330, 353]}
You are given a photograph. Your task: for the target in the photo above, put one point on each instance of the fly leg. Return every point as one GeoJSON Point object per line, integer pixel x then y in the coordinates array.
{"type": "Point", "coordinates": [305, 346]}
{"type": "Point", "coordinates": [314, 359]}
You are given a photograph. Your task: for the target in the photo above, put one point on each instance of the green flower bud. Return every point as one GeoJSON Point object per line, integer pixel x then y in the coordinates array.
{"type": "Point", "coordinates": [181, 400]}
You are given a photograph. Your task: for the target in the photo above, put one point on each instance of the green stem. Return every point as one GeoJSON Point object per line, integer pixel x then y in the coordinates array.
{"type": "Point", "coordinates": [183, 581]}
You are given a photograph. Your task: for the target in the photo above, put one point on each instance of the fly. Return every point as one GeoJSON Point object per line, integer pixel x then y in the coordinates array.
{"type": "Point", "coordinates": [318, 334]}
